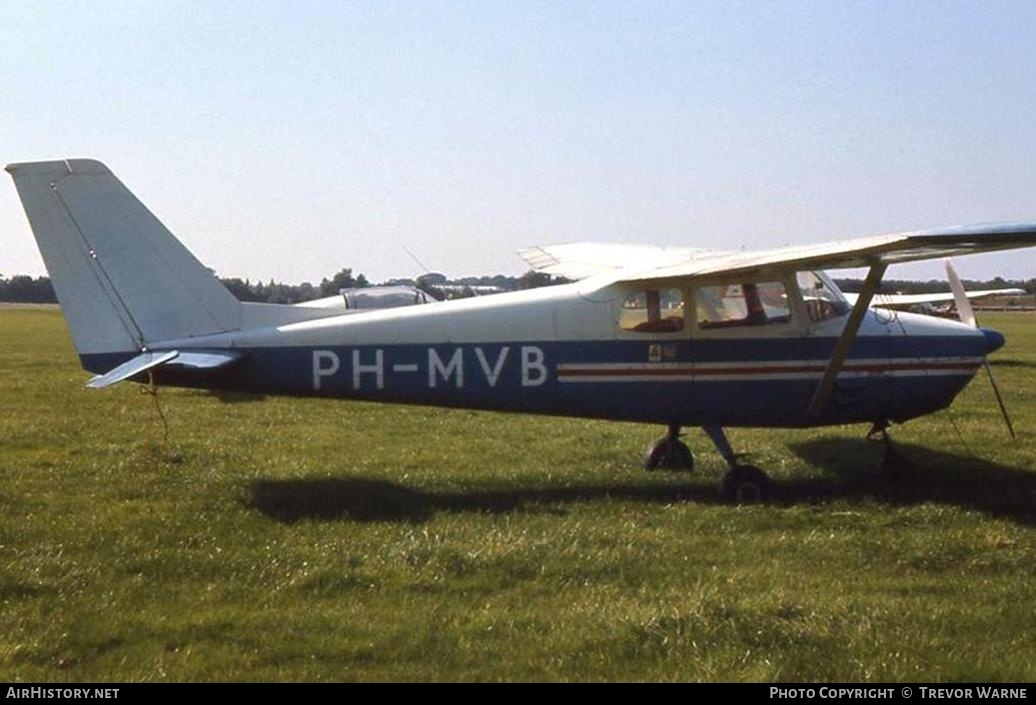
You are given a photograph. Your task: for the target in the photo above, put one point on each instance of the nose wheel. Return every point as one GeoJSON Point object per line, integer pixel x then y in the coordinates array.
{"type": "Point", "coordinates": [892, 465]}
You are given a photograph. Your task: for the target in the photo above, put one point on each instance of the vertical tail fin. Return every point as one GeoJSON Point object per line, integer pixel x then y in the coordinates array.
{"type": "Point", "coordinates": [123, 280]}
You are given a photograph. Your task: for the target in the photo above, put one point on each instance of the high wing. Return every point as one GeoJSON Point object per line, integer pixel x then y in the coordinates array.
{"type": "Point", "coordinates": [580, 260]}
{"type": "Point", "coordinates": [634, 263]}
{"type": "Point", "coordinates": [907, 300]}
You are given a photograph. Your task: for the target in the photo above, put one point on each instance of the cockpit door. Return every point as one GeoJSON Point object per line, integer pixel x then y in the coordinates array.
{"type": "Point", "coordinates": [863, 388]}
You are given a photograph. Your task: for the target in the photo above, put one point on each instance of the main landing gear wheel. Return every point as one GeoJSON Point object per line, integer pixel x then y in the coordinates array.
{"type": "Point", "coordinates": [669, 453]}
{"type": "Point", "coordinates": [745, 484]}
{"type": "Point", "coordinates": [742, 484]}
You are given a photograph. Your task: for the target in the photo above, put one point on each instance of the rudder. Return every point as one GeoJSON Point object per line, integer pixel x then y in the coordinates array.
{"type": "Point", "coordinates": [123, 280]}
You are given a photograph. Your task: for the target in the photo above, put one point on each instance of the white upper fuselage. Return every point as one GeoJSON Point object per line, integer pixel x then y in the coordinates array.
{"type": "Point", "coordinates": [584, 310]}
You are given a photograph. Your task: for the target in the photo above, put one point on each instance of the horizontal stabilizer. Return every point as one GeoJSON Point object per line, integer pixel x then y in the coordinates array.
{"type": "Point", "coordinates": [141, 363]}
{"type": "Point", "coordinates": [204, 360]}
{"type": "Point", "coordinates": [190, 360]}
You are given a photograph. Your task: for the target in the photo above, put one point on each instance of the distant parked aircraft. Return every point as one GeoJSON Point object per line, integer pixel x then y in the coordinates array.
{"type": "Point", "coordinates": [932, 304]}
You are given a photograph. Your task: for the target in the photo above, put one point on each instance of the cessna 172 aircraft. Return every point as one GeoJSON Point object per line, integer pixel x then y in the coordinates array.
{"type": "Point", "coordinates": [674, 336]}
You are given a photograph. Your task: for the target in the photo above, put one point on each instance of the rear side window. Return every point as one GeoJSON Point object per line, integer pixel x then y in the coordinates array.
{"type": "Point", "coordinates": [745, 304]}
{"type": "Point", "coordinates": [652, 311]}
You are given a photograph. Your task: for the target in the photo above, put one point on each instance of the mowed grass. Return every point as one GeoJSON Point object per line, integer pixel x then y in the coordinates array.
{"type": "Point", "coordinates": [286, 539]}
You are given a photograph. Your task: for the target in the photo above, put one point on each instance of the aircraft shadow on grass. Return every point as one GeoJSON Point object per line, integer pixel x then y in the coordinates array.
{"type": "Point", "coordinates": [1009, 362]}
{"type": "Point", "coordinates": [848, 468]}
{"type": "Point", "coordinates": [365, 499]}
{"type": "Point", "coordinates": [231, 397]}
{"type": "Point", "coordinates": [936, 476]}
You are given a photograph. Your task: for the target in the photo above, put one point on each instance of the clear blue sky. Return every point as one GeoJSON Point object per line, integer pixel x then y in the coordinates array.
{"type": "Point", "coordinates": [288, 140]}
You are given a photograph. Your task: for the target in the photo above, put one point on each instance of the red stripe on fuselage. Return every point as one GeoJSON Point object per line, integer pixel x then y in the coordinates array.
{"type": "Point", "coordinates": [787, 369]}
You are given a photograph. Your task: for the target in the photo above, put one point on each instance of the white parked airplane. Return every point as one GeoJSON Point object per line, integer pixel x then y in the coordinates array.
{"type": "Point", "coordinates": [369, 298]}
{"type": "Point", "coordinates": [927, 303]}
{"type": "Point", "coordinates": [672, 336]}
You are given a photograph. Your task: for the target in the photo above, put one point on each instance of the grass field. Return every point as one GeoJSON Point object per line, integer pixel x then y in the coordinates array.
{"type": "Point", "coordinates": [285, 539]}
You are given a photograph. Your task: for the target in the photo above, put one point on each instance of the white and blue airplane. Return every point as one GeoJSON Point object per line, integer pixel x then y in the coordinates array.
{"type": "Point", "coordinates": [673, 336]}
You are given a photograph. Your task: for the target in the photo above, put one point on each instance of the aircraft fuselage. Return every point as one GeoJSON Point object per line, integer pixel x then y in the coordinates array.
{"type": "Point", "coordinates": [557, 351]}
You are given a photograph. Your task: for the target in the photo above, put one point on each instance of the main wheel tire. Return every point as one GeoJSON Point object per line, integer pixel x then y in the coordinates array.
{"type": "Point", "coordinates": [666, 455]}
{"type": "Point", "coordinates": [745, 484]}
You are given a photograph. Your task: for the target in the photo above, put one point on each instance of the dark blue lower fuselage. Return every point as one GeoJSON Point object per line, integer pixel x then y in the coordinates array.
{"type": "Point", "coordinates": [745, 382]}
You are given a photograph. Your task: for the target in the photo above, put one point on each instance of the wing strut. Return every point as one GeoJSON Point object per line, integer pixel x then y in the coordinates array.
{"type": "Point", "coordinates": [827, 383]}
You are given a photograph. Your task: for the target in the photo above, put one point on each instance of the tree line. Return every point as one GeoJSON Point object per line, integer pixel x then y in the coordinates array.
{"type": "Point", "coordinates": [22, 288]}
{"type": "Point", "coordinates": [936, 286]}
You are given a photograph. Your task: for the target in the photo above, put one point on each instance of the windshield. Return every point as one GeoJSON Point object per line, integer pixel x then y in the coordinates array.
{"type": "Point", "coordinates": [822, 298]}
{"type": "Point", "coordinates": [383, 297]}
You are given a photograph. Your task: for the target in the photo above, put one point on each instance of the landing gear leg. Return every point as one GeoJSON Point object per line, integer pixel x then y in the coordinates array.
{"type": "Point", "coordinates": [892, 464]}
{"type": "Point", "coordinates": [742, 484]}
{"type": "Point", "coordinates": [669, 452]}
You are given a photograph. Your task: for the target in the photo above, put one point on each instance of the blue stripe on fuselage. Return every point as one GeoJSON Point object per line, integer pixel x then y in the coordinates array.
{"type": "Point", "coordinates": [523, 377]}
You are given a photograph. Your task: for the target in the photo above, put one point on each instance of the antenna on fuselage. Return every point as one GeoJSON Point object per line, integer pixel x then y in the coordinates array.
{"type": "Point", "coordinates": [418, 262]}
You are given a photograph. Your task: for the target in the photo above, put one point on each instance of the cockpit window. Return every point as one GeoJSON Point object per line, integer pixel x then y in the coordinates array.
{"type": "Point", "coordinates": [746, 304]}
{"type": "Point", "coordinates": [376, 297]}
{"type": "Point", "coordinates": [652, 311]}
{"type": "Point", "coordinates": [822, 298]}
